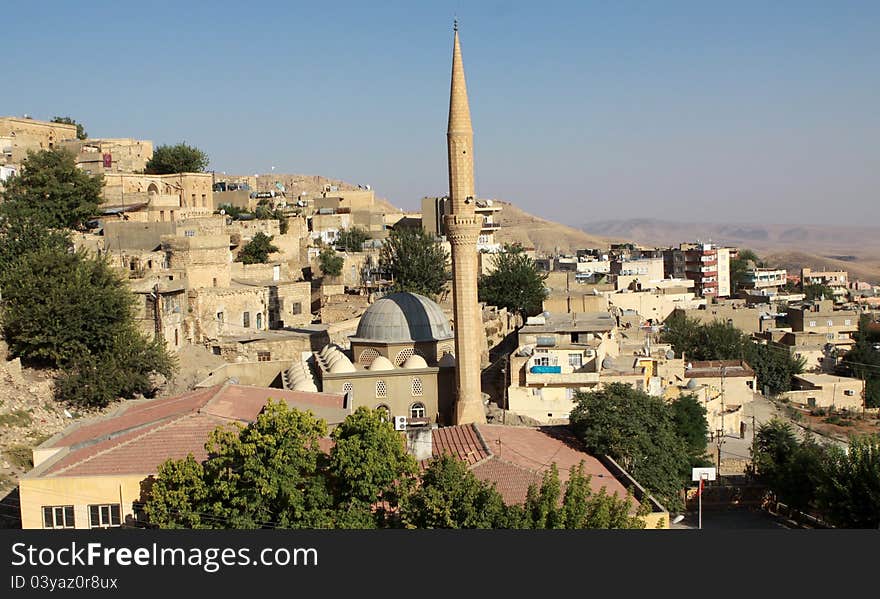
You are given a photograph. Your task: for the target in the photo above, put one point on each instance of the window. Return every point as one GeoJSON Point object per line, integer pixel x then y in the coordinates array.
{"type": "Point", "coordinates": [416, 388]}
{"type": "Point", "coordinates": [849, 392]}
{"type": "Point", "coordinates": [575, 360]}
{"type": "Point", "coordinates": [367, 356]}
{"type": "Point", "coordinates": [220, 316]}
{"type": "Point", "coordinates": [104, 516]}
{"type": "Point", "coordinates": [381, 389]}
{"type": "Point", "coordinates": [176, 337]}
{"type": "Point", "coordinates": [542, 361]}
{"type": "Point", "coordinates": [402, 355]}
{"type": "Point", "coordinates": [259, 320]}
{"type": "Point", "coordinates": [384, 412]}
{"type": "Point", "coordinates": [215, 281]}
{"type": "Point", "coordinates": [847, 322]}
{"type": "Point", "coordinates": [246, 319]}
{"type": "Point", "coordinates": [417, 410]}
{"type": "Point", "coordinates": [812, 323]}
{"type": "Point", "coordinates": [347, 387]}
{"type": "Point", "coordinates": [193, 201]}
{"type": "Point", "coordinates": [830, 323]}
{"type": "Point", "coordinates": [216, 350]}
{"type": "Point", "coordinates": [58, 516]}
{"type": "Point", "coordinates": [569, 393]}
{"type": "Point", "coordinates": [204, 201]}
{"type": "Point", "coordinates": [264, 356]}
{"type": "Point", "coordinates": [297, 308]}
{"type": "Point", "coordinates": [189, 233]}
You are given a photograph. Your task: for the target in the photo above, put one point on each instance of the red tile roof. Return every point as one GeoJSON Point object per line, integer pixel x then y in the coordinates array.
{"type": "Point", "coordinates": [462, 442]}
{"type": "Point", "coordinates": [514, 457]}
{"type": "Point", "coordinates": [138, 437]}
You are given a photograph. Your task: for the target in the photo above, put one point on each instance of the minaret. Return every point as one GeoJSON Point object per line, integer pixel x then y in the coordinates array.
{"type": "Point", "coordinates": [462, 229]}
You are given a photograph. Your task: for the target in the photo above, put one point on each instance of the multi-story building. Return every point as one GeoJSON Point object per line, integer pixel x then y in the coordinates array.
{"type": "Point", "coordinates": [820, 318]}
{"type": "Point", "coordinates": [111, 155]}
{"type": "Point", "coordinates": [765, 278]}
{"type": "Point", "coordinates": [707, 265]}
{"type": "Point", "coordinates": [837, 280]}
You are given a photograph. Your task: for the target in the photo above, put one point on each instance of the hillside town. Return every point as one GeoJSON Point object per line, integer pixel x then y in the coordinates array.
{"type": "Point", "coordinates": [306, 302]}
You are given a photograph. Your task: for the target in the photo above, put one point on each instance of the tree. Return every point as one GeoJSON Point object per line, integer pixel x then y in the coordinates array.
{"type": "Point", "coordinates": [80, 130]}
{"type": "Point", "coordinates": [369, 463]}
{"type": "Point", "coordinates": [233, 211]}
{"type": "Point", "coordinates": [818, 291]}
{"type": "Point", "coordinates": [450, 496]}
{"type": "Point", "coordinates": [739, 267]}
{"type": "Point", "coordinates": [351, 240]}
{"type": "Point", "coordinates": [178, 494]}
{"type": "Point", "coordinates": [416, 260]}
{"type": "Point", "coordinates": [689, 418]}
{"type": "Point", "coordinates": [638, 431]}
{"type": "Point", "coordinates": [257, 250]}
{"type": "Point", "coordinates": [515, 283]}
{"type": "Point", "coordinates": [74, 312]}
{"type": "Point", "coordinates": [850, 494]}
{"type": "Point", "coordinates": [330, 262]}
{"type": "Point", "coordinates": [22, 236]}
{"type": "Point", "coordinates": [51, 191]}
{"type": "Point", "coordinates": [179, 158]}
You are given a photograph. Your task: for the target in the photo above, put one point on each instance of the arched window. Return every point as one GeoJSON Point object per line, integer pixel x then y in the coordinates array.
{"type": "Point", "coordinates": [381, 389]}
{"type": "Point", "coordinates": [402, 355]}
{"type": "Point", "coordinates": [417, 410]}
{"type": "Point", "coordinates": [367, 356]}
{"type": "Point", "coordinates": [347, 387]}
{"type": "Point", "coordinates": [384, 412]}
{"type": "Point", "coordinates": [416, 387]}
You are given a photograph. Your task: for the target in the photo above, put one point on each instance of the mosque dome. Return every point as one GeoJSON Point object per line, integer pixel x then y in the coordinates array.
{"type": "Point", "coordinates": [381, 363]}
{"type": "Point", "coordinates": [415, 361]}
{"type": "Point", "coordinates": [305, 386]}
{"type": "Point", "coordinates": [343, 365]}
{"type": "Point", "coordinates": [404, 317]}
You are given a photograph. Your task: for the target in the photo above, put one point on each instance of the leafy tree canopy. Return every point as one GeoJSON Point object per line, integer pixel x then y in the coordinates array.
{"type": "Point", "coordinates": [179, 158]}
{"type": "Point", "coordinates": [351, 240]}
{"type": "Point", "coordinates": [257, 250]}
{"type": "Point", "coordinates": [515, 283]}
{"type": "Point", "coordinates": [863, 361]}
{"type": "Point", "coordinates": [416, 260]}
{"type": "Point", "coordinates": [330, 262]}
{"type": "Point", "coordinates": [818, 291]}
{"type": "Point", "coordinates": [640, 432]}
{"type": "Point", "coordinates": [80, 130]}
{"type": "Point", "coordinates": [51, 191]}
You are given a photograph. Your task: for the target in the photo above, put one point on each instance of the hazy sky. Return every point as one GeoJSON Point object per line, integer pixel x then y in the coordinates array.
{"type": "Point", "coordinates": [583, 111]}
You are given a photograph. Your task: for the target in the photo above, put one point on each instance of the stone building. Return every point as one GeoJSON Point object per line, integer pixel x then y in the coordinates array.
{"type": "Point", "coordinates": [34, 134]}
{"type": "Point", "coordinates": [157, 198]}
{"type": "Point", "coordinates": [110, 155]}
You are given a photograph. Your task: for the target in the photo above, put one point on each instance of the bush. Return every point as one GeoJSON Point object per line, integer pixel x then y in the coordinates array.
{"type": "Point", "coordinates": [20, 456]}
{"type": "Point", "coordinates": [330, 262]}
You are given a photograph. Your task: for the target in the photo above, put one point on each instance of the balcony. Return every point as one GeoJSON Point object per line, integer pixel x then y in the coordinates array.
{"type": "Point", "coordinates": [563, 375]}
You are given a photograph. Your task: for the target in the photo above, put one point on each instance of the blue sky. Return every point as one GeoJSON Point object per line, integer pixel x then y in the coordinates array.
{"type": "Point", "coordinates": [737, 111]}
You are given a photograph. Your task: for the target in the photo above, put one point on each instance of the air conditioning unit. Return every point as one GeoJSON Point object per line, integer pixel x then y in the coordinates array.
{"type": "Point", "coordinates": [849, 392]}
{"type": "Point", "coordinates": [400, 423]}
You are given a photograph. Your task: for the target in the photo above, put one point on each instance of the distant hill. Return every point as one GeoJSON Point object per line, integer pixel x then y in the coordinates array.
{"type": "Point", "coordinates": [854, 249]}
{"type": "Point", "coordinates": [518, 226]}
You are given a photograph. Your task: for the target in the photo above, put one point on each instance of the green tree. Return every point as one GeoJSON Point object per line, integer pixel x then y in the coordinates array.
{"type": "Point", "coordinates": [22, 236]}
{"type": "Point", "coordinates": [850, 493]}
{"type": "Point", "coordinates": [233, 211]}
{"type": "Point", "coordinates": [51, 191]}
{"type": "Point", "coordinates": [351, 240]}
{"type": "Point", "coordinates": [818, 291]}
{"type": "Point", "coordinates": [80, 130]}
{"type": "Point", "coordinates": [450, 496]}
{"type": "Point", "coordinates": [583, 508]}
{"type": "Point", "coordinates": [257, 250]}
{"type": "Point", "coordinates": [542, 509]}
{"type": "Point", "coordinates": [638, 431]}
{"type": "Point", "coordinates": [179, 158]}
{"type": "Point", "coordinates": [369, 463]}
{"type": "Point", "coordinates": [515, 283]}
{"type": "Point", "coordinates": [739, 267]}
{"type": "Point", "coordinates": [416, 260]}
{"type": "Point", "coordinates": [330, 262]}
{"type": "Point", "coordinates": [74, 312]}
{"type": "Point", "coordinates": [689, 418]}
{"type": "Point", "coordinates": [178, 495]}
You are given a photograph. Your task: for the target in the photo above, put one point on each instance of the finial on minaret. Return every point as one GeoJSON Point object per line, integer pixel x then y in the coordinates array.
{"type": "Point", "coordinates": [455, 24]}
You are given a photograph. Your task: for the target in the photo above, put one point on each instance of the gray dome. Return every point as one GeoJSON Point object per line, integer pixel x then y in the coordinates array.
{"type": "Point", "coordinates": [404, 317]}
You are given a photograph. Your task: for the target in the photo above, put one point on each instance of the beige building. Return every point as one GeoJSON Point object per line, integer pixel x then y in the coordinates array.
{"type": "Point", "coordinates": [820, 318]}
{"type": "Point", "coordinates": [765, 278]}
{"type": "Point", "coordinates": [724, 387]}
{"type": "Point", "coordinates": [111, 155]}
{"type": "Point", "coordinates": [827, 391]}
{"type": "Point", "coordinates": [157, 198]}
{"type": "Point", "coordinates": [44, 134]}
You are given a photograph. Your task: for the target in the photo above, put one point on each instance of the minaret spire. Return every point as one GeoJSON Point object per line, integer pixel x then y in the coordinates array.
{"type": "Point", "coordinates": [462, 229]}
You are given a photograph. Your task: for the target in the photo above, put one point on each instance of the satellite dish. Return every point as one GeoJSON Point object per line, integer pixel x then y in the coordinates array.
{"type": "Point", "coordinates": [670, 355]}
